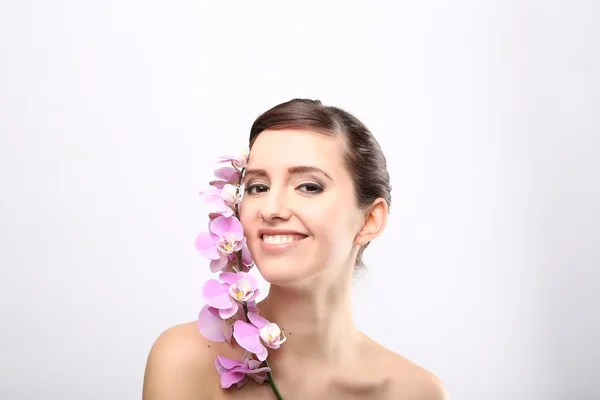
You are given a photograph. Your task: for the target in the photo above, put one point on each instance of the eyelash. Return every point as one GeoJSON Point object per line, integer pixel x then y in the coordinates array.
{"type": "Point", "coordinates": [318, 188]}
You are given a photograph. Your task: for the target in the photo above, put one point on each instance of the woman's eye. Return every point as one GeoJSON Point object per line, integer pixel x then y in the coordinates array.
{"type": "Point", "coordinates": [256, 188]}
{"type": "Point", "coordinates": [311, 188]}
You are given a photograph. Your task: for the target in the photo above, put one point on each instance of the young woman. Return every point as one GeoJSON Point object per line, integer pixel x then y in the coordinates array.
{"type": "Point", "coordinates": [317, 192]}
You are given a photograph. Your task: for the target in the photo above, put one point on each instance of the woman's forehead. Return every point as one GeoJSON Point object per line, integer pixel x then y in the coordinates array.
{"type": "Point", "coordinates": [296, 147]}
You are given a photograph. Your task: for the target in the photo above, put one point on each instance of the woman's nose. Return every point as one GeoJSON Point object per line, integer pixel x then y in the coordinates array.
{"type": "Point", "coordinates": [276, 205]}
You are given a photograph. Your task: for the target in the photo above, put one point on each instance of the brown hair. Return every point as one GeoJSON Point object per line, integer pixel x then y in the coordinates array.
{"type": "Point", "coordinates": [364, 158]}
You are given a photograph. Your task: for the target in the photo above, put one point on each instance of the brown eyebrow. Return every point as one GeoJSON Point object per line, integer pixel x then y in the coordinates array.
{"type": "Point", "coordinates": [301, 169]}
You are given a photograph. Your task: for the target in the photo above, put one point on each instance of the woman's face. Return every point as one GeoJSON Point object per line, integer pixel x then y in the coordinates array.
{"type": "Point", "coordinates": [299, 210]}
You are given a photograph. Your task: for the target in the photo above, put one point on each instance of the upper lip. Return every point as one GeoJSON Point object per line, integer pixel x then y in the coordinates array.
{"type": "Point", "coordinates": [268, 231]}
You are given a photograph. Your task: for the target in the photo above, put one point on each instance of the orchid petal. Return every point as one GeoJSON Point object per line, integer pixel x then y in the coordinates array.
{"type": "Point", "coordinates": [246, 256]}
{"type": "Point", "coordinates": [213, 198]}
{"type": "Point", "coordinates": [254, 296]}
{"type": "Point", "coordinates": [262, 356]}
{"type": "Point", "coordinates": [226, 313]}
{"type": "Point", "coordinates": [227, 363]}
{"type": "Point", "coordinates": [216, 203]}
{"type": "Point", "coordinates": [222, 225]}
{"type": "Point", "coordinates": [252, 280]}
{"type": "Point", "coordinates": [217, 184]}
{"type": "Point", "coordinates": [240, 243]}
{"type": "Point", "coordinates": [258, 321]}
{"type": "Point", "coordinates": [231, 194]}
{"type": "Point", "coordinates": [247, 337]}
{"type": "Point", "coordinates": [253, 365]}
{"type": "Point", "coordinates": [229, 378]}
{"type": "Point", "coordinates": [216, 295]}
{"type": "Point", "coordinates": [250, 366]}
{"type": "Point", "coordinates": [210, 325]}
{"type": "Point", "coordinates": [227, 331]}
{"type": "Point", "coordinates": [206, 245]}
{"type": "Point", "coordinates": [227, 174]}
{"type": "Point", "coordinates": [231, 277]}
{"type": "Point", "coordinates": [219, 264]}
{"type": "Point", "coordinates": [239, 162]}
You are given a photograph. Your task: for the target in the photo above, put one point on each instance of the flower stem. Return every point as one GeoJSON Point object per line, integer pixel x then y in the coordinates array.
{"type": "Point", "coordinates": [246, 311]}
{"type": "Point", "coordinates": [237, 215]}
{"type": "Point", "coordinates": [272, 383]}
{"type": "Point", "coordinates": [241, 267]}
{"type": "Point", "coordinates": [269, 375]}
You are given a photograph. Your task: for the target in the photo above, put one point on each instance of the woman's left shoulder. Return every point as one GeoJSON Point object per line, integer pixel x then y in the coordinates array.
{"type": "Point", "coordinates": [407, 380]}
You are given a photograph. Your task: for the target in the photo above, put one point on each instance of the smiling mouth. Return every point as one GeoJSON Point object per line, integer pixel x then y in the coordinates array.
{"type": "Point", "coordinates": [281, 239]}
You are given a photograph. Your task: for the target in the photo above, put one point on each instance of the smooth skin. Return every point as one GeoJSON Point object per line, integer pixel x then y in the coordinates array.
{"type": "Point", "coordinates": [297, 181]}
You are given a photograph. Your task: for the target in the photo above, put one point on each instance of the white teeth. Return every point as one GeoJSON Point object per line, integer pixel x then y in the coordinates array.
{"type": "Point", "coordinates": [280, 239]}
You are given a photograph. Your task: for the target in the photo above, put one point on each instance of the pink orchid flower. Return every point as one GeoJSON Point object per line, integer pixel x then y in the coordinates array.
{"type": "Point", "coordinates": [217, 329]}
{"type": "Point", "coordinates": [224, 176]}
{"type": "Point", "coordinates": [223, 201]}
{"type": "Point", "coordinates": [225, 237]}
{"type": "Point", "coordinates": [249, 335]}
{"type": "Point", "coordinates": [239, 162]}
{"type": "Point", "coordinates": [233, 264]}
{"type": "Point", "coordinates": [234, 372]}
{"type": "Point", "coordinates": [247, 261]}
{"type": "Point", "coordinates": [227, 295]}
{"type": "Point", "coordinates": [213, 197]}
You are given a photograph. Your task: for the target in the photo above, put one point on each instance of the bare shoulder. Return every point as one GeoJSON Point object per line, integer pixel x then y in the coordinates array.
{"type": "Point", "coordinates": [180, 365]}
{"type": "Point", "coordinates": [416, 384]}
{"type": "Point", "coordinates": [408, 380]}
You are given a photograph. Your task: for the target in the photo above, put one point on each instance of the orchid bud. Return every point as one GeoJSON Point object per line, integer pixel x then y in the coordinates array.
{"type": "Point", "coordinates": [231, 194]}
{"type": "Point", "coordinates": [242, 290]}
{"type": "Point", "coordinates": [272, 335]}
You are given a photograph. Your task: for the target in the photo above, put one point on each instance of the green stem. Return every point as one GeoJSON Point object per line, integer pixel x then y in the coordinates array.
{"type": "Point", "coordinates": [269, 375]}
{"type": "Point", "coordinates": [246, 312]}
{"type": "Point", "coordinates": [237, 215]}
{"type": "Point", "coordinates": [272, 383]}
{"type": "Point", "coordinates": [241, 267]}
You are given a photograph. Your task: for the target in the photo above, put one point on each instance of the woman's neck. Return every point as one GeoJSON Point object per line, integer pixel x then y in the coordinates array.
{"type": "Point", "coordinates": [317, 321]}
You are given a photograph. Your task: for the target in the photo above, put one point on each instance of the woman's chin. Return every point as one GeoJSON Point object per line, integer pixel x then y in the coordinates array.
{"type": "Point", "coordinates": [279, 278]}
{"type": "Point", "coordinates": [283, 275]}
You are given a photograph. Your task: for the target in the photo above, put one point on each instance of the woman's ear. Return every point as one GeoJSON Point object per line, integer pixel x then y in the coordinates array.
{"type": "Point", "coordinates": [374, 222]}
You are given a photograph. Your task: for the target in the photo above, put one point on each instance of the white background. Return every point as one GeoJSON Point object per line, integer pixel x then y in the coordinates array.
{"type": "Point", "coordinates": [111, 113]}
